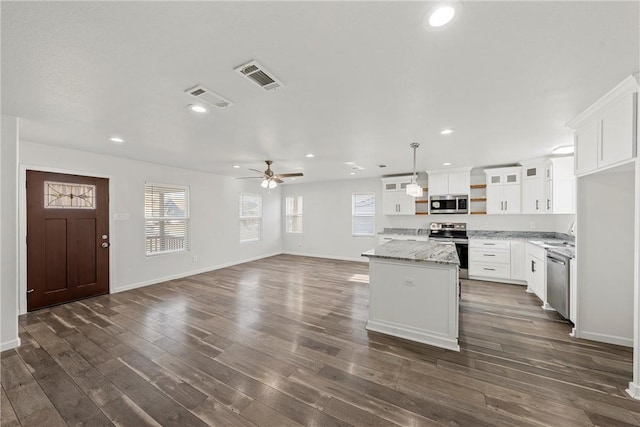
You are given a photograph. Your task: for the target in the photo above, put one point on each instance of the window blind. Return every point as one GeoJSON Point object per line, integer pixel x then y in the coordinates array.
{"type": "Point", "coordinates": [293, 214]}
{"type": "Point", "coordinates": [166, 212]}
{"type": "Point", "coordinates": [363, 214]}
{"type": "Point", "coordinates": [250, 217]}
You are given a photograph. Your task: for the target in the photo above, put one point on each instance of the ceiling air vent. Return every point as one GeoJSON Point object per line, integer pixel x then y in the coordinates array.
{"type": "Point", "coordinates": [259, 75]}
{"type": "Point", "coordinates": [209, 97]}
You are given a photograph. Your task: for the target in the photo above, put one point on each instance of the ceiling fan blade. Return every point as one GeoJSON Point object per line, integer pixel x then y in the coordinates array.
{"type": "Point", "coordinates": [289, 175]}
{"type": "Point", "coordinates": [278, 180]}
{"type": "Point", "coordinates": [250, 177]}
{"type": "Point", "coordinates": [256, 170]}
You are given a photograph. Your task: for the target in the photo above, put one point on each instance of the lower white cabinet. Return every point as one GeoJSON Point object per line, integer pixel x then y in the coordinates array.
{"type": "Point", "coordinates": [536, 271]}
{"type": "Point", "coordinates": [497, 260]}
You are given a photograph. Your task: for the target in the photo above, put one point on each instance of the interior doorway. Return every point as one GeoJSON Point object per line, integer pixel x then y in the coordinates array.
{"type": "Point", "coordinates": [67, 238]}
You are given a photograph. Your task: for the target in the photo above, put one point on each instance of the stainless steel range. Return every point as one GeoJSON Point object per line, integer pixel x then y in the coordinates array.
{"type": "Point", "coordinates": [456, 233]}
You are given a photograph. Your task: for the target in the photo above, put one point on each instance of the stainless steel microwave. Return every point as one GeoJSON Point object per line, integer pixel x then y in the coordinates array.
{"type": "Point", "coordinates": [449, 204]}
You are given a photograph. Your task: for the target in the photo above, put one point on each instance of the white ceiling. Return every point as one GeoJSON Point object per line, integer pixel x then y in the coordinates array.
{"type": "Point", "coordinates": [362, 80]}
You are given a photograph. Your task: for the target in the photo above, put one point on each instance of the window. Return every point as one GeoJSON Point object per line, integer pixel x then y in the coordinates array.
{"type": "Point", "coordinates": [166, 213]}
{"type": "Point", "coordinates": [293, 214]}
{"type": "Point", "coordinates": [250, 217]}
{"type": "Point", "coordinates": [363, 211]}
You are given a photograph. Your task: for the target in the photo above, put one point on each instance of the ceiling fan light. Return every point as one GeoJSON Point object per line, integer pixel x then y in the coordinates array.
{"type": "Point", "coordinates": [272, 185]}
{"type": "Point", "coordinates": [264, 184]}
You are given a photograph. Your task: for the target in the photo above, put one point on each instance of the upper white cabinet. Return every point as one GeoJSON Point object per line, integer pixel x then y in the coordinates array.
{"type": "Point", "coordinates": [548, 186]}
{"type": "Point", "coordinates": [561, 186]}
{"type": "Point", "coordinates": [503, 190]}
{"type": "Point", "coordinates": [534, 176]}
{"type": "Point", "coordinates": [449, 181]}
{"type": "Point", "coordinates": [606, 133]}
{"type": "Point", "coordinates": [395, 200]}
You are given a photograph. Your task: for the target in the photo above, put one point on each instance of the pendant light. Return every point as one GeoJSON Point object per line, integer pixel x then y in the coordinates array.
{"type": "Point", "coordinates": [414, 189]}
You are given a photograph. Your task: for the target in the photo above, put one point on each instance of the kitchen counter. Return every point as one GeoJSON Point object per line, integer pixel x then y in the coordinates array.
{"type": "Point", "coordinates": [429, 251]}
{"type": "Point", "coordinates": [413, 291]}
{"type": "Point", "coordinates": [535, 237]}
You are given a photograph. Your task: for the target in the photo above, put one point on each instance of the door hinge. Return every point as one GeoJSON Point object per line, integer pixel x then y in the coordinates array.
{"type": "Point", "coordinates": [29, 291]}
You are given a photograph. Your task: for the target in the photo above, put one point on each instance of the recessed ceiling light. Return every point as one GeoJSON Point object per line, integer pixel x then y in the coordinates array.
{"type": "Point", "coordinates": [197, 108]}
{"type": "Point", "coordinates": [441, 14]}
{"type": "Point", "coordinates": [116, 140]}
{"type": "Point", "coordinates": [563, 149]}
{"type": "Point", "coordinates": [446, 131]}
{"type": "Point", "coordinates": [350, 163]}
{"type": "Point", "coordinates": [236, 166]}
{"type": "Point", "coordinates": [293, 179]}
{"type": "Point", "coordinates": [352, 173]}
{"type": "Point", "coordinates": [299, 168]}
{"type": "Point", "coordinates": [309, 155]}
{"type": "Point", "coordinates": [446, 164]}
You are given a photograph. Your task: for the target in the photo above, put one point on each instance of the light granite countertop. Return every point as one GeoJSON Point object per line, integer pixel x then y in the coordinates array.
{"type": "Point", "coordinates": [430, 251]}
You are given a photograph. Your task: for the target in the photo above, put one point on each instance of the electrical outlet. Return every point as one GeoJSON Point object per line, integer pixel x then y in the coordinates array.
{"type": "Point", "coordinates": [195, 258]}
{"type": "Point", "coordinates": [532, 224]}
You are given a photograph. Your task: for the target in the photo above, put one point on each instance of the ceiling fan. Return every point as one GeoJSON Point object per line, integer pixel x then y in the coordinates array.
{"type": "Point", "coordinates": [269, 179]}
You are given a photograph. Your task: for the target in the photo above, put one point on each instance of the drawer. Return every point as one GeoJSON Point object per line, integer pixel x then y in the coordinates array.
{"type": "Point", "coordinates": [483, 269]}
{"type": "Point", "coordinates": [484, 243]}
{"type": "Point", "coordinates": [490, 255]}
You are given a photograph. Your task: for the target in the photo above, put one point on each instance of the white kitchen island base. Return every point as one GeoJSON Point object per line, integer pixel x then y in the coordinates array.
{"type": "Point", "coordinates": [414, 300]}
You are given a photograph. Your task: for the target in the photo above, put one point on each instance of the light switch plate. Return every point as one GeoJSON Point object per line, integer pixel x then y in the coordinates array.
{"type": "Point", "coordinates": [121, 216]}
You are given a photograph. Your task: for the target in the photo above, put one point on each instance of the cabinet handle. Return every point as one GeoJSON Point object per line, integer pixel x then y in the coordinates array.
{"type": "Point", "coordinates": [488, 254]}
{"type": "Point", "coordinates": [501, 206]}
{"type": "Point", "coordinates": [548, 204]}
{"type": "Point", "coordinates": [533, 266]}
{"type": "Point", "coordinates": [506, 205]}
{"type": "Point", "coordinates": [489, 269]}
{"type": "Point", "coordinates": [537, 204]}
{"type": "Point", "coordinates": [489, 244]}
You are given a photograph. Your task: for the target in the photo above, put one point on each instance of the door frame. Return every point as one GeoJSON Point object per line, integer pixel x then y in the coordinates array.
{"type": "Point", "coordinates": [22, 225]}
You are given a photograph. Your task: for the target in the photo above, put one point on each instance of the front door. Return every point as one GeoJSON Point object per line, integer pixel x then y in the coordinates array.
{"type": "Point", "coordinates": [67, 238]}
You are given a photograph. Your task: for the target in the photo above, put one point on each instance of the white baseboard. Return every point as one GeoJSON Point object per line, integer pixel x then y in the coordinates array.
{"type": "Point", "coordinates": [190, 273]}
{"type": "Point", "coordinates": [339, 258]}
{"type": "Point", "coordinates": [424, 337]}
{"type": "Point", "coordinates": [8, 345]}
{"type": "Point", "coordinates": [609, 339]}
{"type": "Point", "coordinates": [634, 391]}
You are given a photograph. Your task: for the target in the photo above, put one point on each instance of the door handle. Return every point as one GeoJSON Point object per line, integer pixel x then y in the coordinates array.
{"type": "Point", "coordinates": [105, 245]}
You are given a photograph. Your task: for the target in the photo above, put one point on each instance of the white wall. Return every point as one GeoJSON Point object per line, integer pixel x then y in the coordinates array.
{"type": "Point", "coordinates": [327, 219]}
{"type": "Point", "coordinates": [8, 231]}
{"type": "Point", "coordinates": [214, 214]}
{"type": "Point", "coordinates": [605, 256]}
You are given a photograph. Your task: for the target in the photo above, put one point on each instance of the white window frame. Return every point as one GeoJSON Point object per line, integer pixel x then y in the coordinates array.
{"type": "Point", "coordinates": [245, 217]}
{"type": "Point", "coordinates": [363, 213]}
{"type": "Point", "coordinates": [289, 215]}
{"type": "Point", "coordinates": [186, 218]}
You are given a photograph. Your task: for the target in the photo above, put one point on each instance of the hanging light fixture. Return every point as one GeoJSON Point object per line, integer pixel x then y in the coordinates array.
{"type": "Point", "coordinates": [268, 183]}
{"type": "Point", "coordinates": [414, 189]}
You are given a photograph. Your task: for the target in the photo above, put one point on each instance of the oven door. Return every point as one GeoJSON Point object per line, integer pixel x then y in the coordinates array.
{"type": "Point", "coordinates": [463, 254]}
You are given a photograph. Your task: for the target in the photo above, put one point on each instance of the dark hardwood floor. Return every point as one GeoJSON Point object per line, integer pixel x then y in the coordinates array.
{"type": "Point", "coordinates": [282, 341]}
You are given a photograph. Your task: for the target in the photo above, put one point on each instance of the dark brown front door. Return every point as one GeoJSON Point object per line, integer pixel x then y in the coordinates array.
{"type": "Point", "coordinates": [67, 238]}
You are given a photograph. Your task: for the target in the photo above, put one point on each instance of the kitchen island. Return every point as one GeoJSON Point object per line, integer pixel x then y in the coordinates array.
{"type": "Point", "coordinates": [413, 291]}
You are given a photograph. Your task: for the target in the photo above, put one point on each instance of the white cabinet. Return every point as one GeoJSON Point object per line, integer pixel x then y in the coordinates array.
{"type": "Point", "coordinates": [536, 271]}
{"type": "Point", "coordinates": [449, 181]}
{"type": "Point", "coordinates": [533, 187]}
{"type": "Point", "coordinates": [606, 133]}
{"type": "Point", "coordinates": [548, 186]}
{"type": "Point", "coordinates": [503, 190]}
{"type": "Point", "coordinates": [518, 259]}
{"type": "Point", "coordinates": [561, 186]}
{"type": "Point", "coordinates": [395, 200]}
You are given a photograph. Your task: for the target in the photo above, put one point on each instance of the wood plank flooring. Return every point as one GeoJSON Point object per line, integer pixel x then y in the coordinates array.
{"type": "Point", "coordinates": [282, 342]}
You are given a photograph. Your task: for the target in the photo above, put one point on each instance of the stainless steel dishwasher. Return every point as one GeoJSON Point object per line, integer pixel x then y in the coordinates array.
{"type": "Point", "coordinates": [558, 283]}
